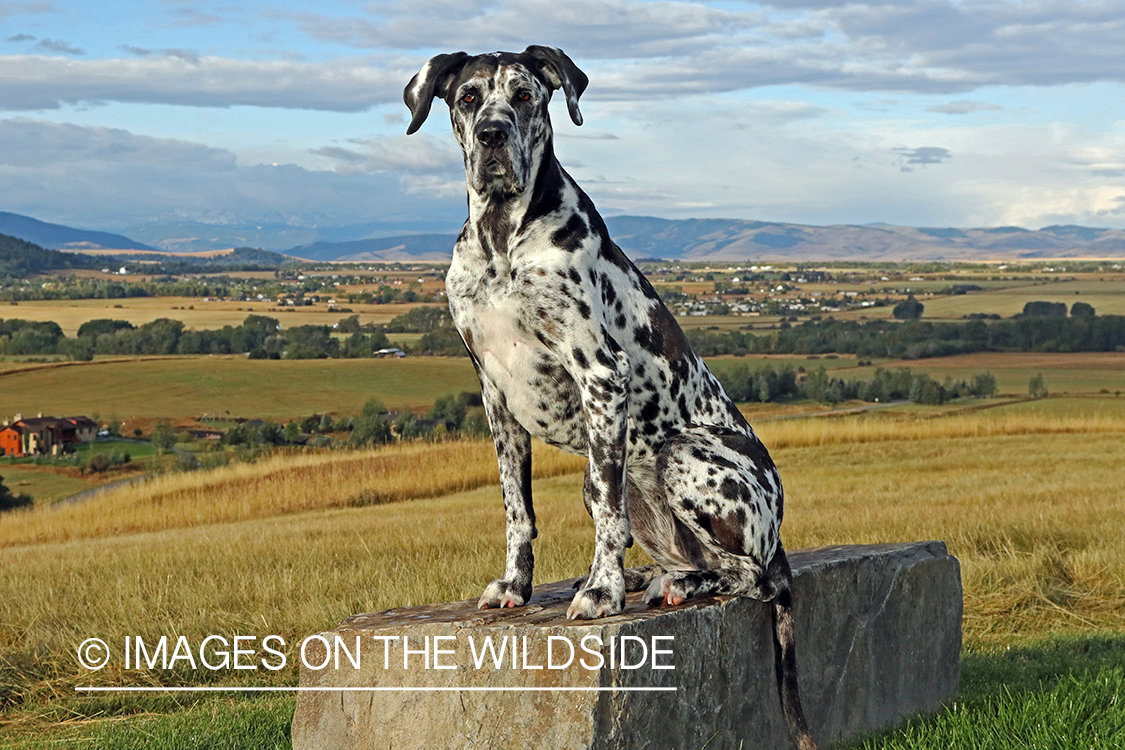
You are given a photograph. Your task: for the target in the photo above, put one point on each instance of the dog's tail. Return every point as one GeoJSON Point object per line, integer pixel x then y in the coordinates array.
{"type": "Point", "coordinates": [785, 652]}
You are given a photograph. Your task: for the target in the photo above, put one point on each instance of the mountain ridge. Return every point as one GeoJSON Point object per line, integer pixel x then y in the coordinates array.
{"type": "Point", "coordinates": [61, 237]}
{"type": "Point", "coordinates": [638, 236]}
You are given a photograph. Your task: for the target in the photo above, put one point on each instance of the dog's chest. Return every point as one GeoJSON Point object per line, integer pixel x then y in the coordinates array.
{"type": "Point", "coordinates": [538, 392]}
{"type": "Point", "coordinates": [505, 350]}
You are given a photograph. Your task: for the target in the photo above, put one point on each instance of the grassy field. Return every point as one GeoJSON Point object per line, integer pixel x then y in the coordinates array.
{"type": "Point", "coordinates": [1029, 501]}
{"type": "Point", "coordinates": [1075, 373]}
{"type": "Point", "coordinates": [180, 387]}
{"type": "Point", "coordinates": [43, 486]}
{"type": "Point", "coordinates": [176, 388]}
{"type": "Point", "coordinates": [1107, 298]}
{"type": "Point", "coordinates": [195, 313]}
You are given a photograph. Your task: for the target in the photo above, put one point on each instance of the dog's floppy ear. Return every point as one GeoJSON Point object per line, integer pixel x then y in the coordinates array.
{"type": "Point", "coordinates": [431, 81]}
{"type": "Point", "coordinates": [562, 73]}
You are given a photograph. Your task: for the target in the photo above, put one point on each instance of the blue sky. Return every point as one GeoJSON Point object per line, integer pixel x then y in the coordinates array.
{"type": "Point", "coordinates": [924, 112]}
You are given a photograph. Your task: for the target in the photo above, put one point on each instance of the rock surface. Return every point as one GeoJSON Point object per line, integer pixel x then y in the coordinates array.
{"type": "Point", "coordinates": [878, 631]}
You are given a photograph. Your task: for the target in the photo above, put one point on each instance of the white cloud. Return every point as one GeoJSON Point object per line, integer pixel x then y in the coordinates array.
{"type": "Point", "coordinates": [106, 177]}
{"type": "Point", "coordinates": [38, 83]}
{"type": "Point", "coordinates": [611, 29]}
{"type": "Point", "coordinates": [419, 154]}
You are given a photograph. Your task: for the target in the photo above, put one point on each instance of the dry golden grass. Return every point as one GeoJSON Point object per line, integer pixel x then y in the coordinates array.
{"type": "Point", "coordinates": [869, 428]}
{"type": "Point", "coordinates": [275, 486]}
{"type": "Point", "coordinates": [1032, 509]}
{"type": "Point", "coordinates": [1035, 519]}
{"type": "Point", "coordinates": [197, 313]}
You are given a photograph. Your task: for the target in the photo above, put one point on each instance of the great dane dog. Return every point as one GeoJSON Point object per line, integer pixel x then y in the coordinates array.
{"type": "Point", "coordinates": [573, 345]}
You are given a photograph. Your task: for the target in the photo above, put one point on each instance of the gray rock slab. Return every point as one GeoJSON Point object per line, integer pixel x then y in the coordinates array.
{"type": "Point", "coordinates": [878, 631]}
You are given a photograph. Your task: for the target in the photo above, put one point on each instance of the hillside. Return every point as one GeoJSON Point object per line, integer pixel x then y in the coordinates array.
{"type": "Point", "coordinates": [60, 237]}
{"type": "Point", "coordinates": [20, 258]}
{"type": "Point", "coordinates": [406, 247]}
{"type": "Point", "coordinates": [638, 236]}
{"type": "Point", "coordinates": [714, 239]}
{"type": "Point", "coordinates": [732, 239]}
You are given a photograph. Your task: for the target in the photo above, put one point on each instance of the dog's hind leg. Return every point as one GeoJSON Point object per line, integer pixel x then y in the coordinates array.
{"type": "Point", "coordinates": [724, 491]}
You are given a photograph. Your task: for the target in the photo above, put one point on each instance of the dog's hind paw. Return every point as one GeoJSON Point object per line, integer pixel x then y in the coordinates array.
{"type": "Point", "coordinates": [501, 594]}
{"type": "Point", "coordinates": [589, 604]}
{"type": "Point", "coordinates": [670, 588]}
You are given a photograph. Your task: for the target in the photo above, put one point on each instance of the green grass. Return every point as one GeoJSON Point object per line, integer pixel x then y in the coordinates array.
{"type": "Point", "coordinates": [272, 389]}
{"type": "Point", "coordinates": [251, 723]}
{"type": "Point", "coordinates": [1062, 693]}
{"type": "Point", "coordinates": [1075, 373]}
{"type": "Point", "coordinates": [134, 449]}
{"type": "Point", "coordinates": [1107, 406]}
{"type": "Point", "coordinates": [43, 486]}
{"type": "Point", "coordinates": [1107, 298]}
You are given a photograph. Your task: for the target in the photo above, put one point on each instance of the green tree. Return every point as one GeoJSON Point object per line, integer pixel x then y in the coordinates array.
{"type": "Point", "coordinates": [100, 462]}
{"type": "Point", "coordinates": [1041, 309]}
{"type": "Point", "coordinates": [163, 437]}
{"type": "Point", "coordinates": [450, 410]}
{"type": "Point", "coordinates": [475, 425]}
{"type": "Point", "coordinates": [1082, 310]}
{"type": "Point", "coordinates": [983, 385]}
{"type": "Point", "coordinates": [1036, 387]}
{"type": "Point", "coordinates": [370, 427]}
{"type": "Point", "coordinates": [908, 309]}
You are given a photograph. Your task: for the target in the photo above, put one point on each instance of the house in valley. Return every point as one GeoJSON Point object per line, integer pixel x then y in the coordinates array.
{"type": "Point", "coordinates": [42, 436]}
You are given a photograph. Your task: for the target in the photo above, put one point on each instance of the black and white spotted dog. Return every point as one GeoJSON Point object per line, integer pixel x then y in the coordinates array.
{"type": "Point", "coordinates": [573, 346]}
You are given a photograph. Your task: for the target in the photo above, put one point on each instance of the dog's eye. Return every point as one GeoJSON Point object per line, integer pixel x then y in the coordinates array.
{"type": "Point", "coordinates": [469, 98]}
{"type": "Point", "coordinates": [524, 96]}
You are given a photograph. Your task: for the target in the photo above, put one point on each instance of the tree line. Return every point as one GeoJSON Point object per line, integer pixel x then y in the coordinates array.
{"type": "Point", "coordinates": [259, 336]}
{"type": "Point", "coordinates": [767, 384]}
{"type": "Point", "coordinates": [1043, 327]}
{"type": "Point", "coordinates": [917, 339]}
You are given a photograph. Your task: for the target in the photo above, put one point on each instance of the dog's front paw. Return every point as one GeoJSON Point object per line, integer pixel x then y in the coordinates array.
{"type": "Point", "coordinates": [670, 588]}
{"type": "Point", "coordinates": [592, 603]}
{"type": "Point", "coordinates": [502, 594]}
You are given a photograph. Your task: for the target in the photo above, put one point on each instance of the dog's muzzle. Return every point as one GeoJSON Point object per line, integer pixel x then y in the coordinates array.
{"type": "Point", "coordinates": [497, 161]}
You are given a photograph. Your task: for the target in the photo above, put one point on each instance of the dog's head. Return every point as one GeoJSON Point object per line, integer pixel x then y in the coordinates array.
{"type": "Point", "coordinates": [498, 105]}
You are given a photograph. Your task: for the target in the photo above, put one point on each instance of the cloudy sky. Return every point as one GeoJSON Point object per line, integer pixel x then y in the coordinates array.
{"type": "Point", "coordinates": [916, 112]}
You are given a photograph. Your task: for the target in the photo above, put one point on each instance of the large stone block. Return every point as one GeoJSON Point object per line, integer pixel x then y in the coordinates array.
{"type": "Point", "coordinates": [878, 633]}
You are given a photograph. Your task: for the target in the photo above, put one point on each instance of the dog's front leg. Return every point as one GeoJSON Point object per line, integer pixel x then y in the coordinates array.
{"type": "Point", "coordinates": [513, 453]}
{"type": "Point", "coordinates": [602, 383]}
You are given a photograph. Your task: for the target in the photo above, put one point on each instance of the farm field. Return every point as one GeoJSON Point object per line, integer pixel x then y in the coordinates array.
{"type": "Point", "coordinates": [195, 313]}
{"type": "Point", "coordinates": [43, 486]}
{"type": "Point", "coordinates": [1107, 298]}
{"type": "Point", "coordinates": [1075, 373]}
{"type": "Point", "coordinates": [181, 387]}
{"type": "Point", "coordinates": [1029, 503]}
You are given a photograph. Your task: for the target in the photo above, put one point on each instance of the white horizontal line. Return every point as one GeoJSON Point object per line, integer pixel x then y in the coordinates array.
{"type": "Point", "coordinates": [209, 689]}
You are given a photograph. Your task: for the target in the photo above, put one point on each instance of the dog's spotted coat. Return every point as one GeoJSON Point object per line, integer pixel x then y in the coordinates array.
{"type": "Point", "coordinates": [573, 345]}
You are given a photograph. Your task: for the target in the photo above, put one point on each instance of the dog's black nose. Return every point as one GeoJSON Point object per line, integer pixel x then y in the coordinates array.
{"type": "Point", "coordinates": [493, 133]}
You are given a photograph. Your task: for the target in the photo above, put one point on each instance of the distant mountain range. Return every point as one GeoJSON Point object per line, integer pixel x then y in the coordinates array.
{"type": "Point", "coordinates": [59, 237]}
{"type": "Point", "coordinates": [723, 239]}
{"type": "Point", "coordinates": [404, 247]}
{"type": "Point", "coordinates": [639, 236]}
